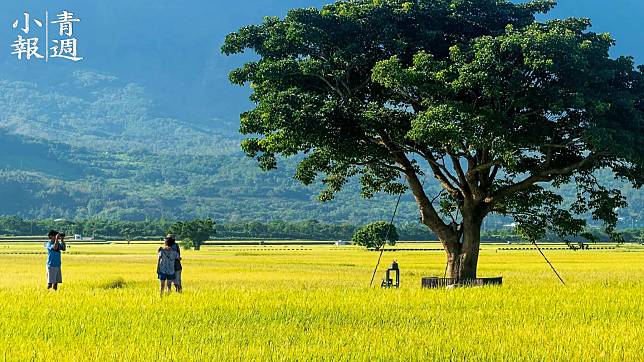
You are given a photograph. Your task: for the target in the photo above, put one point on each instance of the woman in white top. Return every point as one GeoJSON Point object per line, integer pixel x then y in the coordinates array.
{"type": "Point", "coordinates": [165, 266]}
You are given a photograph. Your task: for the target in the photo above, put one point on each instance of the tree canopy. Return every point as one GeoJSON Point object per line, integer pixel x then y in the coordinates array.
{"type": "Point", "coordinates": [376, 235]}
{"type": "Point", "coordinates": [193, 233]}
{"type": "Point", "coordinates": [496, 106]}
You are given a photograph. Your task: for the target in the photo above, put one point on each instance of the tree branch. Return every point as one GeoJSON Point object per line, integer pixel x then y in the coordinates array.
{"type": "Point", "coordinates": [495, 171]}
{"type": "Point", "coordinates": [379, 163]}
{"type": "Point", "coordinates": [441, 173]}
{"type": "Point", "coordinates": [459, 170]}
{"type": "Point", "coordinates": [429, 216]}
{"type": "Point", "coordinates": [543, 176]}
{"type": "Point", "coordinates": [469, 179]}
{"type": "Point", "coordinates": [326, 81]}
{"type": "Point", "coordinates": [484, 166]}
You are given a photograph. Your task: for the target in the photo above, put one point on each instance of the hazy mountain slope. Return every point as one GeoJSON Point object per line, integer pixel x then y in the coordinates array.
{"type": "Point", "coordinates": [103, 114]}
{"type": "Point", "coordinates": [99, 150]}
{"type": "Point", "coordinates": [56, 177]}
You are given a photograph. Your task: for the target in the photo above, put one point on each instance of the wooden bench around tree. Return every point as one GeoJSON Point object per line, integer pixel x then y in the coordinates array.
{"type": "Point", "coordinates": [435, 282]}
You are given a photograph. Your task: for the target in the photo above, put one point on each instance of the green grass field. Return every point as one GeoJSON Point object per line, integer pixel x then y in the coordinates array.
{"type": "Point", "coordinates": [268, 303]}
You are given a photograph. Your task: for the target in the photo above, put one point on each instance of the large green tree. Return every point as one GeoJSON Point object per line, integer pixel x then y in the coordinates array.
{"type": "Point", "coordinates": [499, 108]}
{"type": "Point", "coordinates": [193, 233]}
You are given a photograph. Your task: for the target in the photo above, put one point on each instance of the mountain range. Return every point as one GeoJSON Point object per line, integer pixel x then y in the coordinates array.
{"type": "Point", "coordinates": [145, 126]}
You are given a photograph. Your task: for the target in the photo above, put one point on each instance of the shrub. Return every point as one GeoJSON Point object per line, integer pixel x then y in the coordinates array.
{"type": "Point", "coordinates": [375, 235]}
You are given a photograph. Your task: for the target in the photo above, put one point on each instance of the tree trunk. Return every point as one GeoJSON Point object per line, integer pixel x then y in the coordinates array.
{"type": "Point", "coordinates": [463, 252]}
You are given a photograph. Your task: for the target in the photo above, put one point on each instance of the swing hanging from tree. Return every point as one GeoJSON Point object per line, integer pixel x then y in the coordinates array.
{"type": "Point", "coordinates": [380, 233]}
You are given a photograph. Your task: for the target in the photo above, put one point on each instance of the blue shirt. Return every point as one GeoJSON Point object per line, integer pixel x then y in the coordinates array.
{"type": "Point", "coordinates": [53, 256]}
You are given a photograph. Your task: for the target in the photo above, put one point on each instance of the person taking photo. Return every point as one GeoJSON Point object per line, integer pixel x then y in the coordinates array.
{"type": "Point", "coordinates": [55, 246]}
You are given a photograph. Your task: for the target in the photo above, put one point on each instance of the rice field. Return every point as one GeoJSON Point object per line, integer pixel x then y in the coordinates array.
{"type": "Point", "coordinates": [268, 303]}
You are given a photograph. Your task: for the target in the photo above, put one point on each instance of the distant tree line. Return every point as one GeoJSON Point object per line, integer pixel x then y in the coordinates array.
{"type": "Point", "coordinates": [246, 230]}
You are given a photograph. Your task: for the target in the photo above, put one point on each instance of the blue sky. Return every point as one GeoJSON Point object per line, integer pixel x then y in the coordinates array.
{"type": "Point", "coordinates": [172, 46]}
{"type": "Point", "coordinates": [623, 19]}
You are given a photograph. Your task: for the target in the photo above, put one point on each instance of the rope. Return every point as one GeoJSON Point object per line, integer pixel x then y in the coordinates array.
{"type": "Point", "coordinates": [391, 224]}
{"type": "Point", "coordinates": [549, 263]}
